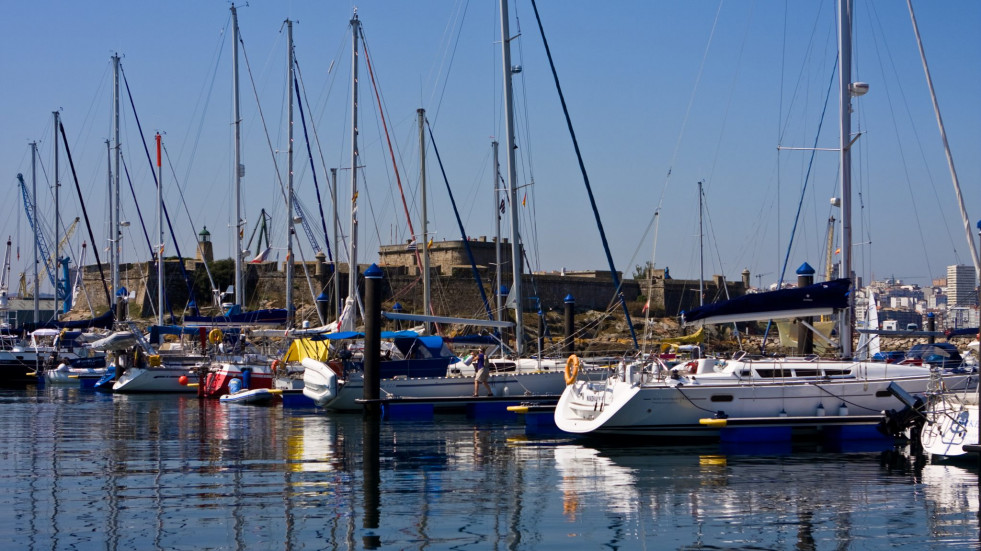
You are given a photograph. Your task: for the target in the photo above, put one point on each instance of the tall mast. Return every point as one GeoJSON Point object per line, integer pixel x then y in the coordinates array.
{"type": "Point", "coordinates": [701, 251]}
{"type": "Point", "coordinates": [497, 224]}
{"type": "Point", "coordinates": [845, 107]}
{"type": "Point", "coordinates": [943, 138]}
{"type": "Point", "coordinates": [57, 185]}
{"type": "Point", "coordinates": [37, 299]}
{"type": "Point", "coordinates": [289, 180]}
{"type": "Point", "coordinates": [352, 281]}
{"type": "Point", "coordinates": [425, 219]}
{"type": "Point", "coordinates": [160, 233]}
{"type": "Point", "coordinates": [116, 234]}
{"type": "Point", "coordinates": [239, 167]}
{"type": "Point", "coordinates": [516, 261]}
{"type": "Point", "coordinates": [112, 251]}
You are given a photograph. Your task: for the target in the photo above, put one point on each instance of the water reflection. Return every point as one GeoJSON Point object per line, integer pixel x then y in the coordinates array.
{"type": "Point", "coordinates": [696, 497]}
{"type": "Point", "coordinates": [371, 481]}
{"type": "Point", "coordinates": [587, 477]}
{"type": "Point", "coordinates": [134, 472]}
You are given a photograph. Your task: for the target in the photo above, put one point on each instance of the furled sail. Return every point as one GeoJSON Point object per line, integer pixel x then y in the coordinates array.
{"type": "Point", "coordinates": [819, 299]}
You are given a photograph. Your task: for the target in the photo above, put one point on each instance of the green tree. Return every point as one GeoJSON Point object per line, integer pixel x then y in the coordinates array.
{"type": "Point", "coordinates": [222, 271]}
{"type": "Point", "coordinates": [642, 272]}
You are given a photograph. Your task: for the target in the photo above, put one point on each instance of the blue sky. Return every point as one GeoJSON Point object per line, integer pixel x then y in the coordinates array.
{"type": "Point", "coordinates": [700, 90]}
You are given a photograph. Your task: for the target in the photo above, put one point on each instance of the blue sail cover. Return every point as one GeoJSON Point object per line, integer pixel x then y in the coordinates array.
{"type": "Point", "coordinates": [344, 335]}
{"type": "Point", "coordinates": [962, 332]}
{"type": "Point", "coordinates": [814, 300]}
{"type": "Point", "coordinates": [105, 321]}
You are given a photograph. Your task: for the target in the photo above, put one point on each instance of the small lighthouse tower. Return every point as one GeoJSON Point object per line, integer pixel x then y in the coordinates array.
{"type": "Point", "coordinates": [205, 252]}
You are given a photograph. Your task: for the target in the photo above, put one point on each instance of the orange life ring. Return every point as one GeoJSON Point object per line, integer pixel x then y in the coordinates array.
{"type": "Point", "coordinates": [692, 367]}
{"type": "Point", "coordinates": [572, 369]}
{"type": "Point", "coordinates": [275, 366]}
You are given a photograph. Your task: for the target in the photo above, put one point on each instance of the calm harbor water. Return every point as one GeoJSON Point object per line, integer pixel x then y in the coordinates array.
{"type": "Point", "coordinates": [80, 470]}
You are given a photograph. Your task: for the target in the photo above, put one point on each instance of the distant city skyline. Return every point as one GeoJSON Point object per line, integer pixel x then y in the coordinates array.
{"type": "Point", "coordinates": [661, 95]}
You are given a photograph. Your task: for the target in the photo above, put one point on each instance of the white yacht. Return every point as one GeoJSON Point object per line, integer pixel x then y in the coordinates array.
{"type": "Point", "coordinates": [694, 399]}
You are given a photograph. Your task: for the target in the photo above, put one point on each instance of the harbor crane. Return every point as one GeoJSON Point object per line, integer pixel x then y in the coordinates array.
{"type": "Point", "coordinates": [51, 264]}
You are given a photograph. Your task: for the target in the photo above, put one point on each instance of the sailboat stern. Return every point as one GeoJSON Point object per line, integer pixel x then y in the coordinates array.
{"type": "Point", "coordinates": [319, 382]}
{"type": "Point", "coordinates": [588, 406]}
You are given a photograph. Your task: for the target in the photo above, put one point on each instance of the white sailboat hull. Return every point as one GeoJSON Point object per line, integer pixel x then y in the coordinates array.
{"type": "Point", "coordinates": [638, 403]}
{"type": "Point", "coordinates": [951, 426]}
{"type": "Point", "coordinates": [155, 379]}
{"type": "Point", "coordinates": [504, 384]}
{"type": "Point", "coordinates": [64, 375]}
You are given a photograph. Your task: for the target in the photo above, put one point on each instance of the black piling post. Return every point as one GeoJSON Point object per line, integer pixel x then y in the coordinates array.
{"type": "Point", "coordinates": [372, 338]}
{"type": "Point", "coordinates": [397, 308]}
{"type": "Point", "coordinates": [805, 339]}
{"type": "Point", "coordinates": [323, 299]}
{"type": "Point", "coordinates": [323, 306]}
{"type": "Point", "coordinates": [931, 326]}
{"type": "Point", "coordinates": [371, 482]}
{"type": "Point", "coordinates": [121, 305]}
{"type": "Point", "coordinates": [541, 332]}
{"type": "Point", "coordinates": [570, 324]}
{"type": "Point", "coordinates": [371, 479]}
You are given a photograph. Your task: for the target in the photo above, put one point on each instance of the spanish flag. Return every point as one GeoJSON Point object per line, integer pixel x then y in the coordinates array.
{"type": "Point", "coordinates": [524, 200]}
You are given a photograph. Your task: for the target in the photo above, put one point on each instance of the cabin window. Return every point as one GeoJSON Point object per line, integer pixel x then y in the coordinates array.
{"type": "Point", "coordinates": [807, 372]}
{"type": "Point", "coordinates": [772, 373]}
{"type": "Point", "coordinates": [837, 372]}
{"type": "Point", "coordinates": [721, 398]}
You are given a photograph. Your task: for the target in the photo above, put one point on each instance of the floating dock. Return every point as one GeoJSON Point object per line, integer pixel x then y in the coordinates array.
{"type": "Point", "coordinates": [474, 406]}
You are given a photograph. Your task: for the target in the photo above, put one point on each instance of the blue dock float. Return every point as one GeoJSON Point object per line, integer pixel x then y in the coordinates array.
{"type": "Point", "coordinates": [294, 398]}
{"type": "Point", "coordinates": [830, 429]}
{"type": "Point", "coordinates": [495, 408]}
{"type": "Point", "coordinates": [539, 418]}
{"type": "Point", "coordinates": [755, 435]}
{"type": "Point", "coordinates": [492, 410]}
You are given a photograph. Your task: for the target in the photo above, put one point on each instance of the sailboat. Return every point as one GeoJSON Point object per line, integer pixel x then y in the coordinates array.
{"type": "Point", "coordinates": [19, 363]}
{"type": "Point", "coordinates": [137, 366]}
{"type": "Point", "coordinates": [238, 363]}
{"type": "Point", "coordinates": [701, 397]}
{"type": "Point", "coordinates": [951, 422]}
{"type": "Point", "coordinates": [952, 426]}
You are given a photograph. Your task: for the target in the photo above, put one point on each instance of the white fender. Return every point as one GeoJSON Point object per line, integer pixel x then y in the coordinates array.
{"type": "Point", "coordinates": [319, 382]}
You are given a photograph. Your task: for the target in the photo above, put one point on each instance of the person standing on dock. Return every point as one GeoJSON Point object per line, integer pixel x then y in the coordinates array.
{"type": "Point", "coordinates": [481, 374]}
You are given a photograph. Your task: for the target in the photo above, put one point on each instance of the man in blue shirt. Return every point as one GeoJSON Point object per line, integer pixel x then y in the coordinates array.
{"type": "Point", "coordinates": [482, 374]}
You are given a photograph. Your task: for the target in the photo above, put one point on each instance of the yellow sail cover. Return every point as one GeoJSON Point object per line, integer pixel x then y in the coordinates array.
{"type": "Point", "coordinates": [307, 348]}
{"type": "Point", "coordinates": [694, 338]}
